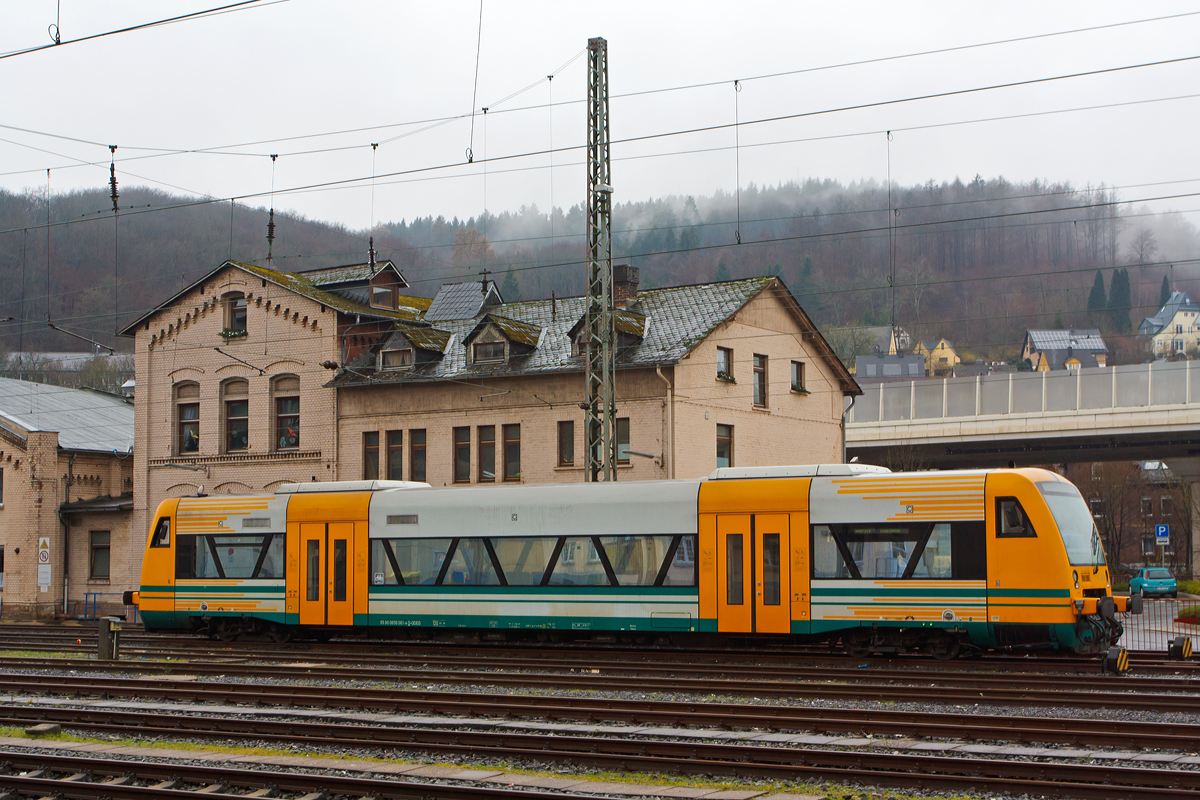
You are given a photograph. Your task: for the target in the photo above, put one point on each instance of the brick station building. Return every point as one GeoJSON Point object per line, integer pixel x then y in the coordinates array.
{"type": "Point", "coordinates": [252, 377]}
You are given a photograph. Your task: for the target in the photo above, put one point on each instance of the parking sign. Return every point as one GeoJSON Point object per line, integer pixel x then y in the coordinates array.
{"type": "Point", "coordinates": [1162, 534]}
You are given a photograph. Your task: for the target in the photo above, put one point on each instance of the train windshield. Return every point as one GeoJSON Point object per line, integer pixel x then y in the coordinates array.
{"type": "Point", "coordinates": [1075, 523]}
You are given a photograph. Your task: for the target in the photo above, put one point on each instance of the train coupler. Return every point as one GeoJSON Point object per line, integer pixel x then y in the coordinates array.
{"type": "Point", "coordinates": [1115, 661]}
{"type": "Point", "coordinates": [1180, 648]}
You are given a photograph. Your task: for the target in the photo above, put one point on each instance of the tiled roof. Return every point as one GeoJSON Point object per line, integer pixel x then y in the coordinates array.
{"type": "Point", "coordinates": [679, 318]}
{"type": "Point", "coordinates": [514, 331]}
{"type": "Point", "coordinates": [1058, 358]}
{"type": "Point", "coordinates": [630, 322]}
{"type": "Point", "coordinates": [1079, 338]}
{"type": "Point", "coordinates": [350, 273]}
{"type": "Point", "coordinates": [1178, 301]}
{"type": "Point", "coordinates": [461, 301]}
{"type": "Point", "coordinates": [85, 420]}
{"type": "Point", "coordinates": [420, 336]}
{"type": "Point", "coordinates": [410, 308]}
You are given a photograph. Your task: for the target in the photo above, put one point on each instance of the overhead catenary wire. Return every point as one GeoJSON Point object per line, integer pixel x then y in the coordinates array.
{"type": "Point", "coordinates": [475, 88]}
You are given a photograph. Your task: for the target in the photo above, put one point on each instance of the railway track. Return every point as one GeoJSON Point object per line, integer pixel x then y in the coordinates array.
{"type": "Point", "coordinates": [82, 640]}
{"type": "Point", "coordinates": [923, 771]}
{"type": "Point", "coordinates": [813, 683]}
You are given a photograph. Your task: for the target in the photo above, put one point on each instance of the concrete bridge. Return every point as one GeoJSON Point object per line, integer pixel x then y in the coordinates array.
{"type": "Point", "coordinates": [1126, 413]}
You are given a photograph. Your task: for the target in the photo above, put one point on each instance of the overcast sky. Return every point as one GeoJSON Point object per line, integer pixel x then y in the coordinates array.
{"type": "Point", "coordinates": [301, 68]}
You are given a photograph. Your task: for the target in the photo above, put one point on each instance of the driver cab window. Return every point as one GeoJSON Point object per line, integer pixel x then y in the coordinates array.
{"type": "Point", "coordinates": [1011, 520]}
{"type": "Point", "coordinates": [162, 533]}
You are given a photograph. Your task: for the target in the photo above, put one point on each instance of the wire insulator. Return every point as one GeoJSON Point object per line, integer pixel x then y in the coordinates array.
{"type": "Point", "coordinates": [371, 254]}
{"type": "Point", "coordinates": [270, 233]}
{"type": "Point", "coordinates": [112, 187]}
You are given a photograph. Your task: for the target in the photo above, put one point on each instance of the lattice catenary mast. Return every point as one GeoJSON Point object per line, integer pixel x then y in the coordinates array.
{"type": "Point", "coordinates": [600, 353]}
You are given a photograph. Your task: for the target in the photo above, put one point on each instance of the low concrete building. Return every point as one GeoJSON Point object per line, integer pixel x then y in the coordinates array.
{"type": "Point", "coordinates": [66, 481]}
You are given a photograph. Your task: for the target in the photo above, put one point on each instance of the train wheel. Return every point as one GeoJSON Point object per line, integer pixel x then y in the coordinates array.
{"type": "Point", "coordinates": [278, 633]}
{"type": "Point", "coordinates": [857, 643]}
{"type": "Point", "coordinates": [944, 648]}
{"type": "Point", "coordinates": [224, 631]}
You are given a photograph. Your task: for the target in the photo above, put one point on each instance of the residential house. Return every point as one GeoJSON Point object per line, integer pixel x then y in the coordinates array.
{"type": "Point", "coordinates": [888, 368]}
{"type": "Point", "coordinates": [1175, 329]}
{"type": "Point", "coordinates": [482, 391]}
{"type": "Point", "coordinates": [66, 482]}
{"type": "Point", "coordinates": [939, 355]}
{"type": "Point", "coordinates": [888, 340]}
{"type": "Point", "coordinates": [236, 394]}
{"type": "Point", "coordinates": [1056, 344]}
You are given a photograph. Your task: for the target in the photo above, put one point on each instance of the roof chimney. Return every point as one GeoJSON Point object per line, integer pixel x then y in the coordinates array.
{"type": "Point", "coordinates": [625, 285]}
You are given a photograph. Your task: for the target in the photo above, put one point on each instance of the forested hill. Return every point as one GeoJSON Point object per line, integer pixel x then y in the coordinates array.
{"type": "Point", "coordinates": [976, 262]}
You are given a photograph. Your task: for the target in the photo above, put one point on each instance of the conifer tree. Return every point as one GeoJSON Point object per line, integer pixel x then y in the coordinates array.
{"type": "Point", "coordinates": [510, 289]}
{"type": "Point", "coordinates": [1164, 294]}
{"type": "Point", "coordinates": [1120, 301]}
{"type": "Point", "coordinates": [723, 273]}
{"type": "Point", "coordinates": [1098, 299]}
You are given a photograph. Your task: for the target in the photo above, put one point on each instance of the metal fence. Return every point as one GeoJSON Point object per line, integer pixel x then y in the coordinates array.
{"type": "Point", "coordinates": [103, 604]}
{"type": "Point", "coordinates": [1157, 625]}
{"type": "Point", "coordinates": [1095, 388]}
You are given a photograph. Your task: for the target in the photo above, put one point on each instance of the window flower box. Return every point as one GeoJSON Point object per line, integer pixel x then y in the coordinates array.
{"type": "Point", "coordinates": [725, 376]}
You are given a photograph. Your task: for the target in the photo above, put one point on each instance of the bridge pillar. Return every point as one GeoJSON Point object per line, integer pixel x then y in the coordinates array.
{"type": "Point", "coordinates": [1188, 471]}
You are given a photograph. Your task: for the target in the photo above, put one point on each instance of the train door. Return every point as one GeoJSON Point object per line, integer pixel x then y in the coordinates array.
{"type": "Point", "coordinates": [752, 583]}
{"type": "Point", "coordinates": [772, 611]}
{"type": "Point", "coordinates": [734, 576]}
{"type": "Point", "coordinates": [326, 589]}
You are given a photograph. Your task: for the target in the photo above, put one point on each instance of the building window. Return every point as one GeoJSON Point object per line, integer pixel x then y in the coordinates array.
{"type": "Point", "coordinates": [725, 363]}
{"type": "Point", "coordinates": [1097, 506]}
{"type": "Point", "coordinates": [1149, 546]}
{"type": "Point", "coordinates": [383, 297]}
{"type": "Point", "coordinates": [798, 377]}
{"type": "Point", "coordinates": [487, 453]}
{"type": "Point", "coordinates": [1, 491]}
{"type": "Point", "coordinates": [566, 443]}
{"type": "Point", "coordinates": [1179, 329]}
{"type": "Point", "coordinates": [1, 569]}
{"type": "Point", "coordinates": [1167, 506]}
{"type": "Point", "coordinates": [462, 455]}
{"type": "Point", "coordinates": [512, 452]}
{"type": "Point", "coordinates": [101, 542]}
{"type": "Point", "coordinates": [1177, 345]}
{"type": "Point", "coordinates": [187, 414]}
{"type": "Point", "coordinates": [1147, 507]}
{"type": "Point", "coordinates": [396, 359]}
{"type": "Point", "coordinates": [622, 440]}
{"type": "Point", "coordinates": [724, 445]}
{"type": "Point", "coordinates": [416, 454]}
{"type": "Point", "coordinates": [488, 351]}
{"type": "Point", "coordinates": [286, 391]}
{"type": "Point", "coordinates": [235, 315]}
{"type": "Point", "coordinates": [370, 455]}
{"type": "Point", "coordinates": [237, 415]}
{"type": "Point", "coordinates": [760, 381]}
{"type": "Point", "coordinates": [395, 455]}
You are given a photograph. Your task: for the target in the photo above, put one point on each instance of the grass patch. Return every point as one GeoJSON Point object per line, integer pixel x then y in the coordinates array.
{"type": "Point", "coordinates": [34, 654]}
{"type": "Point", "coordinates": [1121, 586]}
{"type": "Point", "coordinates": [1190, 587]}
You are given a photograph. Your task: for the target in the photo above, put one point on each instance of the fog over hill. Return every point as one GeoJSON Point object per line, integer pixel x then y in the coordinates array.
{"type": "Point", "coordinates": [977, 262]}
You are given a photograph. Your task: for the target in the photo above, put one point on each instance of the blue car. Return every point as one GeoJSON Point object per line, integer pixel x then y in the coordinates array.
{"type": "Point", "coordinates": [1154, 580]}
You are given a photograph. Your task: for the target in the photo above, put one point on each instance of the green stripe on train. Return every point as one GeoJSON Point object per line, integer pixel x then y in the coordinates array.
{"type": "Point", "coordinates": [517, 622]}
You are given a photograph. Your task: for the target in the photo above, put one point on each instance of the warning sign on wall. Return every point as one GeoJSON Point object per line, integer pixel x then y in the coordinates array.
{"type": "Point", "coordinates": [43, 564]}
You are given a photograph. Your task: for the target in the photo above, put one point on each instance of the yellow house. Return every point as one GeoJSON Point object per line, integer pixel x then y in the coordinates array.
{"type": "Point", "coordinates": [1175, 329]}
{"type": "Point", "coordinates": [939, 355]}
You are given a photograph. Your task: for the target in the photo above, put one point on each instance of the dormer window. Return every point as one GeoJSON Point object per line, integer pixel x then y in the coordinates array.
{"type": "Point", "coordinates": [488, 351]}
{"type": "Point", "coordinates": [383, 297]}
{"type": "Point", "coordinates": [396, 359]}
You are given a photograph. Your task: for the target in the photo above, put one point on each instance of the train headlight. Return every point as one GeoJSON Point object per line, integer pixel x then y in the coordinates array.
{"type": "Point", "coordinates": [1075, 577]}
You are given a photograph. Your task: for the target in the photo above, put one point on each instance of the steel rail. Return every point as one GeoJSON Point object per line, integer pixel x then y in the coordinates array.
{"type": "Point", "coordinates": [892, 685]}
{"type": "Point", "coordinates": [81, 773]}
{"type": "Point", "coordinates": [920, 771]}
{"type": "Point", "coordinates": [927, 725]}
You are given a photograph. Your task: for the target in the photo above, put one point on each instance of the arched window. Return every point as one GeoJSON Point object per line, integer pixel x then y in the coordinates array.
{"type": "Point", "coordinates": [235, 315]}
{"type": "Point", "coordinates": [235, 402]}
{"type": "Point", "coordinates": [187, 418]}
{"type": "Point", "coordinates": [285, 392]}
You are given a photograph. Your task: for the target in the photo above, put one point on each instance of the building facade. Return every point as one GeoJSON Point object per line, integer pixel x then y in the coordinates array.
{"type": "Point", "coordinates": [1175, 329]}
{"type": "Point", "coordinates": [251, 378]}
{"type": "Point", "coordinates": [66, 481]}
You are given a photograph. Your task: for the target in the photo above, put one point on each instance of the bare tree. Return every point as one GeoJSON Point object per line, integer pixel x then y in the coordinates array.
{"type": "Point", "coordinates": [1143, 247]}
{"type": "Point", "coordinates": [1114, 491]}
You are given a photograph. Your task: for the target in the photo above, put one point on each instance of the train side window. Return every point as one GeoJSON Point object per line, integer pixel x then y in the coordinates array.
{"type": "Point", "coordinates": [770, 569]}
{"type": "Point", "coordinates": [162, 533]}
{"type": "Point", "coordinates": [937, 558]}
{"type": "Point", "coordinates": [575, 568]}
{"type": "Point", "coordinates": [385, 571]}
{"type": "Point", "coordinates": [969, 551]}
{"type": "Point", "coordinates": [471, 565]}
{"type": "Point", "coordinates": [828, 559]}
{"type": "Point", "coordinates": [523, 560]}
{"type": "Point", "coordinates": [420, 560]}
{"type": "Point", "coordinates": [1011, 520]}
{"type": "Point", "coordinates": [637, 560]}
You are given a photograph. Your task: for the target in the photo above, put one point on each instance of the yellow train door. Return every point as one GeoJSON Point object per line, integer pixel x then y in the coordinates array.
{"type": "Point", "coordinates": [326, 588]}
{"type": "Point", "coordinates": [734, 577]}
{"type": "Point", "coordinates": [772, 609]}
{"type": "Point", "coordinates": [312, 573]}
{"type": "Point", "coordinates": [753, 582]}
